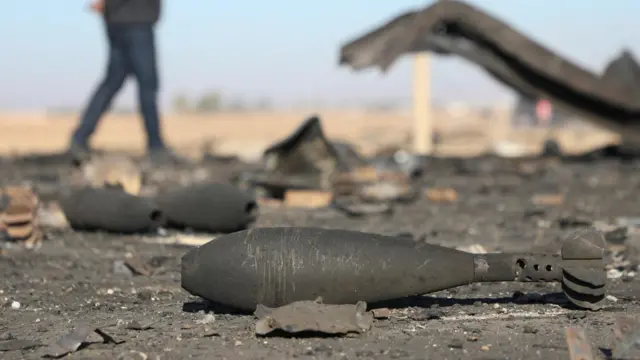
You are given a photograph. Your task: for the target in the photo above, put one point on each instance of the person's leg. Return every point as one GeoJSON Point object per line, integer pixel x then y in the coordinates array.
{"type": "Point", "coordinates": [117, 71]}
{"type": "Point", "coordinates": [142, 56]}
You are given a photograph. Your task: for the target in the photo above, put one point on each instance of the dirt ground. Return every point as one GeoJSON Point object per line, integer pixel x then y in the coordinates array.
{"type": "Point", "coordinates": [70, 280]}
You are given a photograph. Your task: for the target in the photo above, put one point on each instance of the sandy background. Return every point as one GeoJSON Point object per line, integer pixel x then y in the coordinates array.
{"type": "Point", "coordinates": [247, 134]}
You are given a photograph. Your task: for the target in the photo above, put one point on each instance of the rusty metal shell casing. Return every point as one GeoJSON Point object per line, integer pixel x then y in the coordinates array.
{"type": "Point", "coordinates": [211, 207]}
{"type": "Point", "coordinates": [111, 210]}
{"type": "Point", "coordinates": [276, 266]}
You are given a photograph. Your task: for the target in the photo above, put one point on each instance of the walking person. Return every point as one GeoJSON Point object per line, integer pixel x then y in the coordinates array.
{"type": "Point", "coordinates": [130, 32]}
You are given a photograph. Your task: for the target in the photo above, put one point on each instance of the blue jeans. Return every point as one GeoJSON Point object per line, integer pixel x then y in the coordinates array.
{"type": "Point", "coordinates": [131, 52]}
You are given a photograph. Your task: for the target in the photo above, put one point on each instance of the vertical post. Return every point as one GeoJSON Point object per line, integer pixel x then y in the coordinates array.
{"type": "Point", "coordinates": [422, 114]}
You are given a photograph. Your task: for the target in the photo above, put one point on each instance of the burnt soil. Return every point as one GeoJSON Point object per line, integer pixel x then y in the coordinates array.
{"type": "Point", "coordinates": [70, 280]}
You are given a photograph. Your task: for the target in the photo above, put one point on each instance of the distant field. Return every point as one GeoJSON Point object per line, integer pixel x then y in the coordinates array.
{"type": "Point", "coordinates": [247, 134]}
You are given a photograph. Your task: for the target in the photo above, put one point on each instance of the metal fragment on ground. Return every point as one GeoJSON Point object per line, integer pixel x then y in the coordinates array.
{"type": "Point", "coordinates": [314, 317]}
{"type": "Point", "coordinates": [13, 345]}
{"type": "Point", "coordinates": [579, 346]}
{"type": "Point", "coordinates": [136, 325]}
{"type": "Point", "coordinates": [306, 159]}
{"type": "Point", "coordinates": [69, 343]}
{"type": "Point", "coordinates": [138, 267]}
{"type": "Point", "coordinates": [75, 339]}
{"type": "Point", "coordinates": [627, 333]}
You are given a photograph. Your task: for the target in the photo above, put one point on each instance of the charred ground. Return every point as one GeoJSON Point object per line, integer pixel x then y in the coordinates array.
{"type": "Point", "coordinates": [70, 280]}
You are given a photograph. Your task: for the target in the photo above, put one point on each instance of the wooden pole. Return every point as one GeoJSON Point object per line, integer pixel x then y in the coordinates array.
{"type": "Point", "coordinates": [422, 113]}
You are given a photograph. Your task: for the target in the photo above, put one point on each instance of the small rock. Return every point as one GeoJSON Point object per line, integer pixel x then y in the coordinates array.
{"type": "Point", "coordinates": [529, 329]}
{"type": "Point", "coordinates": [614, 274]}
{"type": "Point", "coordinates": [207, 319]}
{"type": "Point", "coordinates": [383, 313]}
{"type": "Point", "coordinates": [456, 344]}
{"type": "Point", "coordinates": [15, 305]}
{"type": "Point", "coordinates": [145, 295]}
{"type": "Point", "coordinates": [577, 315]}
{"type": "Point", "coordinates": [5, 336]}
{"type": "Point", "coordinates": [429, 314]}
{"type": "Point", "coordinates": [120, 268]}
{"type": "Point", "coordinates": [617, 236]}
{"type": "Point", "coordinates": [132, 355]}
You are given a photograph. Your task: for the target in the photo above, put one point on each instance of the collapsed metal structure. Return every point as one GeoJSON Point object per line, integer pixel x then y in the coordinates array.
{"type": "Point", "coordinates": [455, 28]}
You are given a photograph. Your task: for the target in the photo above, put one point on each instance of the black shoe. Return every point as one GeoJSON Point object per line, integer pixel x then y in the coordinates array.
{"type": "Point", "coordinates": [79, 153]}
{"type": "Point", "coordinates": [166, 156]}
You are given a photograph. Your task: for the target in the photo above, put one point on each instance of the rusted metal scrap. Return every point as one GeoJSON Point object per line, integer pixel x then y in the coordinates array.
{"type": "Point", "coordinates": [304, 160]}
{"type": "Point", "coordinates": [313, 317]}
{"type": "Point", "coordinates": [19, 215]}
{"type": "Point", "coordinates": [230, 270]}
{"type": "Point", "coordinates": [579, 345]}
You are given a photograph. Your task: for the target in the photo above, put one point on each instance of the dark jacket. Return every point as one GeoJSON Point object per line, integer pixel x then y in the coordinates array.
{"type": "Point", "coordinates": [131, 11]}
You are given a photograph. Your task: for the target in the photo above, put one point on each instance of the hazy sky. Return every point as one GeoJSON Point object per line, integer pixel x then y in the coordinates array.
{"type": "Point", "coordinates": [53, 51]}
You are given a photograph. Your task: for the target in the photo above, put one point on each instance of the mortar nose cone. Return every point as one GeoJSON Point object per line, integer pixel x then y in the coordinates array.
{"type": "Point", "coordinates": [188, 266]}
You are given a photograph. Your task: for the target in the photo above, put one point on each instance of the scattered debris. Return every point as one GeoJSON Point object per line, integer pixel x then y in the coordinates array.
{"type": "Point", "coordinates": [627, 332]}
{"type": "Point", "coordinates": [307, 198]}
{"type": "Point", "coordinates": [303, 160]}
{"type": "Point", "coordinates": [382, 313]}
{"type": "Point", "coordinates": [138, 267]}
{"type": "Point", "coordinates": [209, 318]}
{"type": "Point", "coordinates": [529, 329]}
{"type": "Point", "coordinates": [136, 325]}
{"type": "Point", "coordinates": [314, 317]}
{"type": "Point", "coordinates": [445, 195]}
{"type": "Point", "coordinates": [548, 199]}
{"type": "Point", "coordinates": [19, 216]}
{"type": "Point", "coordinates": [578, 343]}
{"type": "Point", "coordinates": [74, 340]}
